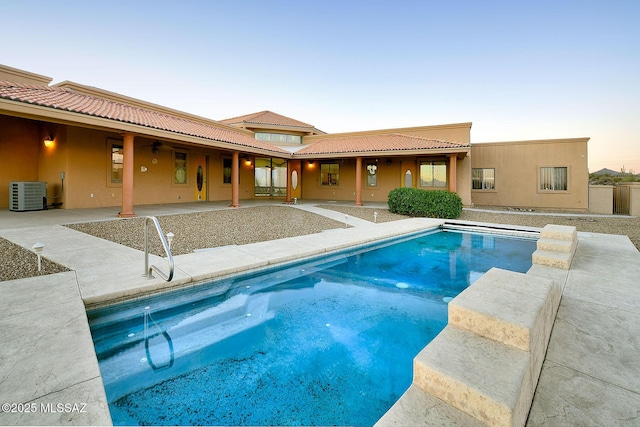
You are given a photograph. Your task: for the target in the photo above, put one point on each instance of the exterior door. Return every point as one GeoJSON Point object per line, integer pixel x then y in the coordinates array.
{"type": "Point", "coordinates": [201, 177]}
{"type": "Point", "coordinates": [295, 178]}
{"type": "Point", "coordinates": [408, 173]}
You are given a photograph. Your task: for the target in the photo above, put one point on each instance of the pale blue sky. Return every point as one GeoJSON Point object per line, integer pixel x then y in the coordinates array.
{"type": "Point", "coordinates": [517, 69]}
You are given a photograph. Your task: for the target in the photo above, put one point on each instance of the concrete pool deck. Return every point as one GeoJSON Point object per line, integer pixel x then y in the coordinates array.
{"type": "Point", "coordinates": [50, 373]}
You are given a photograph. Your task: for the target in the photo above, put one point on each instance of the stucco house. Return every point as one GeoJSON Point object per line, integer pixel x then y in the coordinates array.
{"type": "Point", "coordinates": [96, 148]}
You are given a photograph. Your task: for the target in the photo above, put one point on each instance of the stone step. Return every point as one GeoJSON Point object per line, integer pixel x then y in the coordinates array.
{"type": "Point", "coordinates": [559, 232]}
{"type": "Point", "coordinates": [556, 245]}
{"type": "Point", "coordinates": [552, 259]}
{"type": "Point", "coordinates": [416, 407]}
{"type": "Point", "coordinates": [511, 308]}
{"type": "Point", "coordinates": [479, 376]}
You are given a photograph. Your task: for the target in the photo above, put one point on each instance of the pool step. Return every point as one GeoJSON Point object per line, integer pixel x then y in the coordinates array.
{"type": "Point", "coordinates": [476, 375]}
{"type": "Point", "coordinates": [510, 308]}
{"type": "Point", "coordinates": [560, 232]}
{"type": "Point", "coordinates": [487, 360]}
{"type": "Point", "coordinates": [556, 246]}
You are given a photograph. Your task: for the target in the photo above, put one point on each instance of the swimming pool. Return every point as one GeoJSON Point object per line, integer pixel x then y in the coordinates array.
{"type": "Point", "coordinates": [329, 341]}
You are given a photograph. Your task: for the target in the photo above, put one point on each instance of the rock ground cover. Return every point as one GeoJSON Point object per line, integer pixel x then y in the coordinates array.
{"type": "Point", "coordinates": [256, 224]}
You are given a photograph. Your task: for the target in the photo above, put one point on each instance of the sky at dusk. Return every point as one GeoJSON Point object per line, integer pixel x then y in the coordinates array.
{"type": "Point", "coordinates": [517, 70]}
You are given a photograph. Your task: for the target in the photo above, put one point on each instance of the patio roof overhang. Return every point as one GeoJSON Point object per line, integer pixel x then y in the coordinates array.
{"type": "Point", "coordinates": [64, 117]}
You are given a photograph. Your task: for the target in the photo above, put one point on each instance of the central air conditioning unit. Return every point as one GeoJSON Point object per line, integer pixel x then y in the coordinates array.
{"type": "Point", "coordinates": [27, 196]}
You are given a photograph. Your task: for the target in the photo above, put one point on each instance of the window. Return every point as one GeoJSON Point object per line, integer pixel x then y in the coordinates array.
{"type": "Point", "coordinates": [226, 170]}
{"type": "Point", "coordinates": [180, 168]}
{"type": "Point", "coordinates": [433, 174]}
{"type": "Point", "coordinates": [372, 175]}
{"type": "Point", "coordinates": [483, 179]}
{"type": "Point", "coordinates": [553, 178]}
{"type": "Point", "coordinates": [270, 176]}
{"type": "Point", "coordinates": [408, 179]}
{"type": "Point", "coordinates": [330, 174]}
{"type": "Point", "coordinates": [117, 158]}
{"type": "Point", "coordinates": [278, 138]}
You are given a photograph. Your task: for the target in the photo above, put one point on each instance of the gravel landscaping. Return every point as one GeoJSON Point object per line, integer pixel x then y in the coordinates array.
{"type": "Point", "coordinates": [256, 224]}
{"type": "Point", "coordinates": [18, 263]}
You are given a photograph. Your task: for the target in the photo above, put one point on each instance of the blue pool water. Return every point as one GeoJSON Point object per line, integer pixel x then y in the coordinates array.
{"type": "Point", "coordinates": [328, 342]}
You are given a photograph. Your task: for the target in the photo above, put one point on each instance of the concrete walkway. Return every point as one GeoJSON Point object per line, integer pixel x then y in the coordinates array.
{"type": "Point", "coordinates": [591, 374]}
{"type": "Point", "coordinates": [49, 371]}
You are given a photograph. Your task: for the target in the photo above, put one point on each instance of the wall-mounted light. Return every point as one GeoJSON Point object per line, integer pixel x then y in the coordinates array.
{"type": "Point", "coordinates": [247, 160]}
{"type": "Point", "coordinates": [311, 163]}
{"type": "Point", "coordinates": [48, 142]}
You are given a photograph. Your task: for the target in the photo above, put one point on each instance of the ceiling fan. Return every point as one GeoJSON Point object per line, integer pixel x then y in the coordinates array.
{"type": "Point", "coordinates": [157, 146]}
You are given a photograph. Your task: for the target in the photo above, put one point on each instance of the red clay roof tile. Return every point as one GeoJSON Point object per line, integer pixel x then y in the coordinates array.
{"type": "Point", "coordinates": [377, 143]}
{"type": "Point", "coordinates": [65, 99]}
{"type": "Point", "coordinates": [267, 118]}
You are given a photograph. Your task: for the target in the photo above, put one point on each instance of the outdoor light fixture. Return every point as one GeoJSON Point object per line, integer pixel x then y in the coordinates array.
{"type": "Point", "coordinates": [37, 248]}
{"type": "Point", "coordinates": [170, 237]}
{"type": "Point", "coordinates": [48, 142]}
{"type": "Point", "coordinates": [375, 217]}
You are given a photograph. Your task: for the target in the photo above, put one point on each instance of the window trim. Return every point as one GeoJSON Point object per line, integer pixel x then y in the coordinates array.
{"type": "Point", "coordinates": [551, 191]}
{"type": "Point", "coordinates": [323, 185]}
{"type": "Point", "coordinates": [174, 182]}
{"type": "Point", "coordinates": [484, 190]}
{"type": "Point", "coordinates": [368, 173]}
{"type": "Point", "coordinates": [267, 137]}
{"type": "Point", "coordinates": [111, 142]}
{"type": "Point", "coordinates": [230, 159]}
{"type": "Point", "coordinates": [432, 162]}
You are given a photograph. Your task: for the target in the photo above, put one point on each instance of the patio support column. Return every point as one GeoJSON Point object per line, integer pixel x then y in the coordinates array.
{"type": "Point", "coordinates": [453, 158]}
{"type": "Point", "coordinates": [235, 180]}
{"type": "Point", "coordinates": [288, 196]}
{"type": "Point", "coordinates": [127, 177]}
{"type": "Point", "coordinates": [358, 181]}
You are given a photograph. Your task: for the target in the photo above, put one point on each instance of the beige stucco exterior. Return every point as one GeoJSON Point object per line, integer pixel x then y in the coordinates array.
{"type": "Point", "coordinates": [83, 155]}
{"type": "Point", "coordinates": [601, 199]}
{"type": "Point", "coordinates": [391, 165]}
{"type": "Point", "coordinates": [517, 173]}
{"type": "Point", "coordinates": [82, 152]}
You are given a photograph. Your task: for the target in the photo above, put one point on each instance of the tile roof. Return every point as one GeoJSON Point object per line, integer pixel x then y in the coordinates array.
{"type": "Point", "coordinates": [377, 143]}
{"type": "Point", "coordinates": [68, 100]}
{"type": "Point", "coordinates": [267, 118]}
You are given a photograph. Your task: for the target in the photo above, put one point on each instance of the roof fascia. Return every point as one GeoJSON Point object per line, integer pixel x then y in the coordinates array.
{"type": "Point", "coordinates": [303, 131]}
{"type": "Point", "coordinates": [537, 141]}
{"type": "Point", "coordinates": [389, 131]}
{"type": "Point", "coordinates": [460, 152]}
{"type": "Point", "coordinates": [134, 102]}
{"type": "Point", "coordinates": [38, 112]}
{"type": "Point", "coordinates": [25, 76]}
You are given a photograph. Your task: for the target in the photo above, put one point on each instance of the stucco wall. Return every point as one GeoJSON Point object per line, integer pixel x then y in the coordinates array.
{"type": "Point", "coordinates": [83, 155]}
{"type": "Point", "coordinates": [517, 173]}
{"type": "Point", "coordinates": [390, 175]}
{"type": "Point", "coordinates": [19, 150]}
{"type": "Point", "coordinates": [89, 183]}
{"type": "Point", "coordinates": [457, 132]}
{"type": "Point", "coordinates": [601, 199]}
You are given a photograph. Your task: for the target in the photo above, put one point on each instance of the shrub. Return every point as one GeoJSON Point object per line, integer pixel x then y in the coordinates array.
{"type": "Point", "coordinates": [425, 203]}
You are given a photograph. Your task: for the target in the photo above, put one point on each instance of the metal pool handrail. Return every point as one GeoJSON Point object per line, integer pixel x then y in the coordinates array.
{"type": "Point", "coordinates": [148, 270]}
